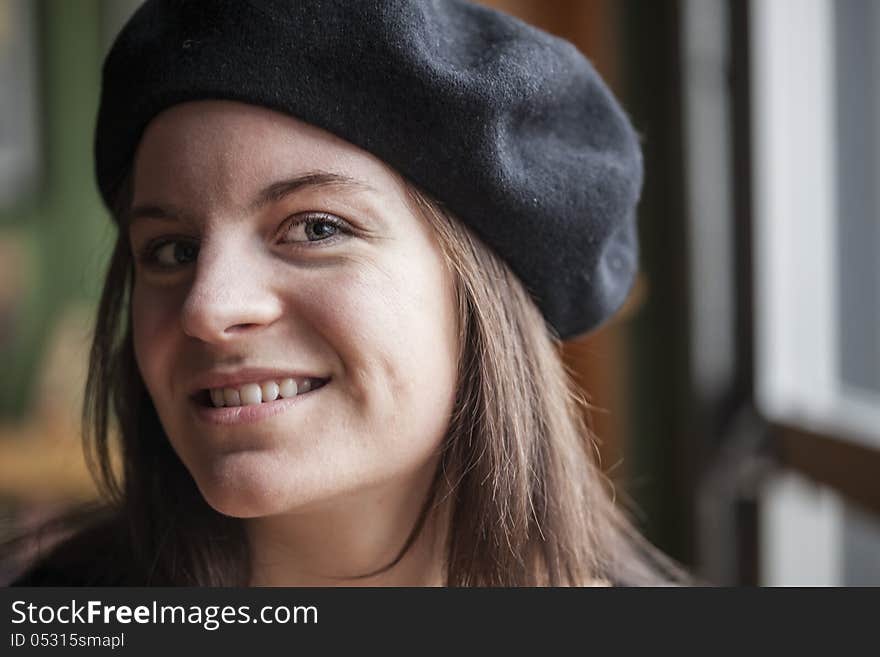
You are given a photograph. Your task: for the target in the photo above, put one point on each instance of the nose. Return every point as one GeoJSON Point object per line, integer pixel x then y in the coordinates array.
{"type": "Point", "coordinates": [231, 296]}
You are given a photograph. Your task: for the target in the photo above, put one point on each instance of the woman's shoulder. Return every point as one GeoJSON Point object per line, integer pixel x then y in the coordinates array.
{"type": "Point", "coordinates": [97, 555]}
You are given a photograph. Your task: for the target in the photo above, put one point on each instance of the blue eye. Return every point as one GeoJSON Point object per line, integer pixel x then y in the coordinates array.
{"type": "Point", "coordinates": [313, 227]}
{"type": "Point", "coordinates": [173, 253]}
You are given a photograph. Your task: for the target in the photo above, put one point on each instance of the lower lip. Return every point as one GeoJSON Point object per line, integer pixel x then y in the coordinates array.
{"type": "Point", "coordinates": [253, 412]}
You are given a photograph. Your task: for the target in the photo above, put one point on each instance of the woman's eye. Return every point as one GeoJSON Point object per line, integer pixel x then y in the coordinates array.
{"type": "Point", "coordinates": [313, 228]}
{"type": "Point", "coordinates": [173, 253]}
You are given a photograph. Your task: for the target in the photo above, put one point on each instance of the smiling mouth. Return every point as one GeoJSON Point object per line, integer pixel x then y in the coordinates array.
{"type": "Point", "coordinates": [258, 394]}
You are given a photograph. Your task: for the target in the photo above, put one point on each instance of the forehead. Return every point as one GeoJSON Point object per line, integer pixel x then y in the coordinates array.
{"type": "Point", "coordinates": [220, 152]}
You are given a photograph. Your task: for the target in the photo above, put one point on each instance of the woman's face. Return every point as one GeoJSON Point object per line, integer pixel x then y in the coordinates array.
{"type": "Point", "coordinates": [273, 256]}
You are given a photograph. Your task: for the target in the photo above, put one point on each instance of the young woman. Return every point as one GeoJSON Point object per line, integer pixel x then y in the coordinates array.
{"type": "Point", "coordinates": [350, 239]}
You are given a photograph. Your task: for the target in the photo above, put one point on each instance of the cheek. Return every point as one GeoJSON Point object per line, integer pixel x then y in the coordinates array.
{"type": "Point", "coordinates": [395, 330]}
{"type": "Point", "coordinates": [153, 314]}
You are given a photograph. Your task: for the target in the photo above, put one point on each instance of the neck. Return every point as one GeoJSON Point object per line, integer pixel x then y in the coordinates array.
{"type": "Point", "coordinates": [338, 542]}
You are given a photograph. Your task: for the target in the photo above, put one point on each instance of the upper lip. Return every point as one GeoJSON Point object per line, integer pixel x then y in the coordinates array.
{"type": "Point", "coordinates": [234, 378]}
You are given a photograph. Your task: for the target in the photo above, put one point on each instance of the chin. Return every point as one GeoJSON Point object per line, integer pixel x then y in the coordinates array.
{"type": "Point", "coordinates": [236, 501]}
{"type": "Point", "coordinates": [239, 502]}
{"type": "Point", "coordinates": [246, 486]}
{"type": "Point", "coordinates": [234, 506]}
{"type": "Point", "coordinates": [237, 492]}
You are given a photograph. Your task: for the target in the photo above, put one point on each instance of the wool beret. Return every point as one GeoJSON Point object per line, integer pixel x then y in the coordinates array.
{"type": "Point", "coordinates": [510, 128]}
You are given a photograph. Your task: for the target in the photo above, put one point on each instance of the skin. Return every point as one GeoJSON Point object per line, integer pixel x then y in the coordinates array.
{"type": "Point", "coordinates": [331, 488]}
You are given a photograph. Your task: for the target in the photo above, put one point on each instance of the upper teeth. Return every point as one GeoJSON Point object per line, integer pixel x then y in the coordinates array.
{"type": "Point", "coordinates": [257, 393]}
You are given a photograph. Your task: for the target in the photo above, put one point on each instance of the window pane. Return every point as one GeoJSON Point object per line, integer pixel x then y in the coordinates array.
{"type": "Point", "coordinates": [857, 26]}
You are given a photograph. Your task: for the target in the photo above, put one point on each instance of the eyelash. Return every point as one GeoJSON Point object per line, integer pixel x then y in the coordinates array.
{"type": "Point", "coordinates": [148, 254]}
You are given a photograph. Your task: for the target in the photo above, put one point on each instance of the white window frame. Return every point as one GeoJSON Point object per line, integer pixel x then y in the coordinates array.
{"type": "Point", "coordinates": [795, 238]}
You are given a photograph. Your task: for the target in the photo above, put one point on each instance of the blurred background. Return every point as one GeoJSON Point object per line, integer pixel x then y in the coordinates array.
{"type": "Point", "coordinates": [738, 390]}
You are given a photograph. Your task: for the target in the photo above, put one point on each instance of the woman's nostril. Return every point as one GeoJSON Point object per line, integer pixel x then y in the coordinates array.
{"type": "Point", "coordinates": [238, 328]}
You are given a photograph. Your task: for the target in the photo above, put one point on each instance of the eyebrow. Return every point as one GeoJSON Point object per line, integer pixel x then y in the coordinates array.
{"type": "Point", "coordinates": [270, 194]}
{"type": "Point", "coordinates": [277, 191]}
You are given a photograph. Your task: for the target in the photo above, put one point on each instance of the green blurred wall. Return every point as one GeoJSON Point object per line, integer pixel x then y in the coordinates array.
{"type": "Point", "coordinates": [62, 222]}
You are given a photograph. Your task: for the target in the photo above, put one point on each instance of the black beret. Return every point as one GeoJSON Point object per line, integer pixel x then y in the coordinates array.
{"type": "Point", "coordinates": [507, 126]}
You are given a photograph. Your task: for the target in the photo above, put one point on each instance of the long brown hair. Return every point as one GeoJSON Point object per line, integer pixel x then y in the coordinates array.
{"type": "Point", "coordinates": [528, 505]}
{"type": "Point", "coordinates": [531, 507]}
